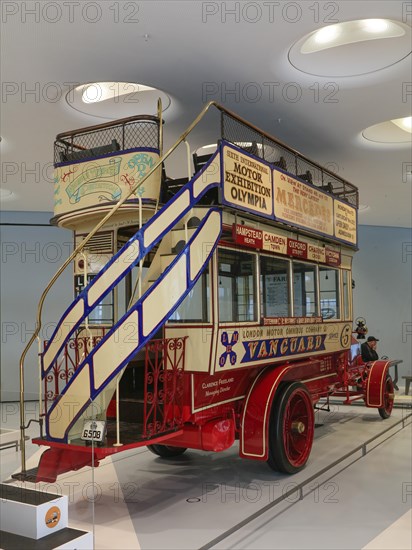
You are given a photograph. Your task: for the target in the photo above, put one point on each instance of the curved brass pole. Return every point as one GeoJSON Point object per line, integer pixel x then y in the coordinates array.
{"type": "Point", "coordinates": [72, 256]}
{"type": "Point", "coordinates": [159, 116]}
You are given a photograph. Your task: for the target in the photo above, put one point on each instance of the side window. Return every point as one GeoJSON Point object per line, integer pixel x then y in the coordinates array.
{"type": "Point", "coordinates": [347, 289]}
{"type": "Point", "coordinates": [305, 292]}
{"type": "Point", "coordinates": [329, 292]}
{"type": "Point", "coordinates": [103, 313]}
{"type": "Point", "coordinates": [236, 286]}
{"type": "Point", "coordinates": [195, 308]}
{"type": "Point", "coordinates": [274, 287]}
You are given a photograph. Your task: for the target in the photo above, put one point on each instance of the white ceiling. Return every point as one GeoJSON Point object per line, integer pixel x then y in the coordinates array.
{"type": "Point", "coordinates": [194, 55]}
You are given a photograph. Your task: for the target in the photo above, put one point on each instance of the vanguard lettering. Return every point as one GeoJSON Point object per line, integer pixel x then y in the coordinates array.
{"type": "Point", "coordinates": [259, 350]}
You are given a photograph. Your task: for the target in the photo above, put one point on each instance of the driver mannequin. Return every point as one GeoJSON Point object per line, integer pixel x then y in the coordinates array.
{"type": "Point", "coordinates": [368, 350]}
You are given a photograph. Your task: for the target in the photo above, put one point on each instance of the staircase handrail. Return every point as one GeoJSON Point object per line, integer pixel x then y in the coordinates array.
{"type": "Point", "coordinates": [144, 247]}
{"type": "Point", "coordinates": [143, 333]}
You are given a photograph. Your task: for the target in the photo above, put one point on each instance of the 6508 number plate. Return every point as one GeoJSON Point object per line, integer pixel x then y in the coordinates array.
{"type": "Point", "coordinates": [94, 430]}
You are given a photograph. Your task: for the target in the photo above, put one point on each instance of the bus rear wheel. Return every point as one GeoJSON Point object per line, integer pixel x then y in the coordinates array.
{"type": "Point", "coordinates": [165, 451]}
{"type": "Point", "coordinates": [291, 428]}
{"type": "Point", "coordinates": [388, 395]}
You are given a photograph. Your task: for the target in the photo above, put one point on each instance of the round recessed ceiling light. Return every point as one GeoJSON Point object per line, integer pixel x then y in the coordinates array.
{"type": "Point", "coordinates": [398, 130]}
{"type": "Point", "coordinates": [404, 123]}
{"type": "Point", "coordinates": [324, 38]}
{"type": "Point", "coordinates": [363, 207]}
{"type": "Point", "coordinates": [352, 48]}
{"type": "Point", "coordinates": [210, 146]}
{"type": "Point", "coordinates": [241, 144]}
{"type": "Point", "coordinates": [379, 26]}
{"type": "Point", "coordinates": [102, 91]}
{"type": "Point", "coordinates": [113, 100]}
{"type": "Point", "coordinates": [6, 194]}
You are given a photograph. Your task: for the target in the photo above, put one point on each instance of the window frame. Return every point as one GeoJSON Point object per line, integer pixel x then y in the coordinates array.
{"type": "Point", "coordinates": [289, 274]}
{"type": "Point", "coordinates": [316, 282]}
{"type": "Point", "coordinates": [350, 297]}
{"type": "Point", "coordinates": [256, 284]}
{"type": "Point", "coordinates": [256, 256]}
{"type": "Point", "coordinates": [339, 289]}
{"type": "Point", "coordinates": [206, 302]}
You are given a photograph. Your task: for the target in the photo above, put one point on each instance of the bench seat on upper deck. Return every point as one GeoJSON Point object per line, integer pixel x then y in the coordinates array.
{"type": "Point", "coordinates": [90, 153]}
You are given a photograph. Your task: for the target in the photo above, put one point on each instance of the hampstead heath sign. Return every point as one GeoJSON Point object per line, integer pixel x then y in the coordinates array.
{"type": "Point", "coordinates": [259, 188]}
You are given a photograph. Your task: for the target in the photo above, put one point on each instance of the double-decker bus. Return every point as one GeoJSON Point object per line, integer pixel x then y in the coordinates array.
{"type": "Point", "coordinates": [208, 308]}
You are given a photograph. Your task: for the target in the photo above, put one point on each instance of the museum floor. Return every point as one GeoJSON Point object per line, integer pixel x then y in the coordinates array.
{"type": "Point", "coordinates": [216, 500]}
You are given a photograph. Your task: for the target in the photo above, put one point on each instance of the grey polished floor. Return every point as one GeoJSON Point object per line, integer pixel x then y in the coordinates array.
{"type": "Point", "coordinates": [137, 500]}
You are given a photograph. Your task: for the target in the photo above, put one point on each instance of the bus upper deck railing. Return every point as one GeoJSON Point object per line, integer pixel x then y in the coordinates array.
{"type": "Point", "coordinates": [119, 135]}
{"type": "Point", "coordinates": [273, 151]}
{"type": "Point", "coordinates": [144, 131]}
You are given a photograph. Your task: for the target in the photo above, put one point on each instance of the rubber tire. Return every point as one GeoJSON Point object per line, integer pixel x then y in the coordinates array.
{"type": "Point", "coordinates": [385, 412]}
{"type": "Point", "coordinates": [165, 451]}
{"type": "Point", "coordinates": [290, 394]}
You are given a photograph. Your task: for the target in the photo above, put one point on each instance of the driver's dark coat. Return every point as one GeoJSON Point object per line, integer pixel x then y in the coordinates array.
{"type": "Point", "coordinates": [368, 354]}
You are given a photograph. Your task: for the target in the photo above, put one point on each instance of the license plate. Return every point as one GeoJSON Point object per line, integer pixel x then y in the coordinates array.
{"type": "Point", "coordinates": [94, 430]}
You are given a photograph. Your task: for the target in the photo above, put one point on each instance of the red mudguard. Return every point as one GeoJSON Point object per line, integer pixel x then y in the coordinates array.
{"type": "Point", "coordinates": [376, 383]}
{"type": "Point", "coordinates": [254, 432]}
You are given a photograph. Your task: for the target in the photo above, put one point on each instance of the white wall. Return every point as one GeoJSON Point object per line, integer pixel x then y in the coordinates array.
{"type": "Point", "coordinates": [30, 256]}
{"type": "Point", "coordinates": [382, 271]}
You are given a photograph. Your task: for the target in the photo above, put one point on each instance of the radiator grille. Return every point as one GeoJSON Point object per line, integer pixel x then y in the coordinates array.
{"type": "Point", "coordinates": [101, 243]}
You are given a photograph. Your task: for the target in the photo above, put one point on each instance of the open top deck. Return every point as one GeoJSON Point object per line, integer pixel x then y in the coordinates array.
{"type": "Point", "coordinates": [256, 173]}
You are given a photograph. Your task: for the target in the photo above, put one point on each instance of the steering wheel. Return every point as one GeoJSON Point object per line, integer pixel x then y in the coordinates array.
{"type": "Point", "coordinates": [327, 313]}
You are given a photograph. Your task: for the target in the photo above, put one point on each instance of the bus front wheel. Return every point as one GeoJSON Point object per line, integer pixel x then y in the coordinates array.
{"type": "Point", "coordinates": [291, 428]}
{"type": "Point", "coordinates": [388, 396]}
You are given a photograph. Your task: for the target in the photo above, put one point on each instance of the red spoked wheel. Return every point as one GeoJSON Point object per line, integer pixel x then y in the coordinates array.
{"type": "Point", "coordinates": [388, 397]}
{"type": "Point", "coordinates": [291, 428]}
{"type": "Point", "coordinates": [166, 451]}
